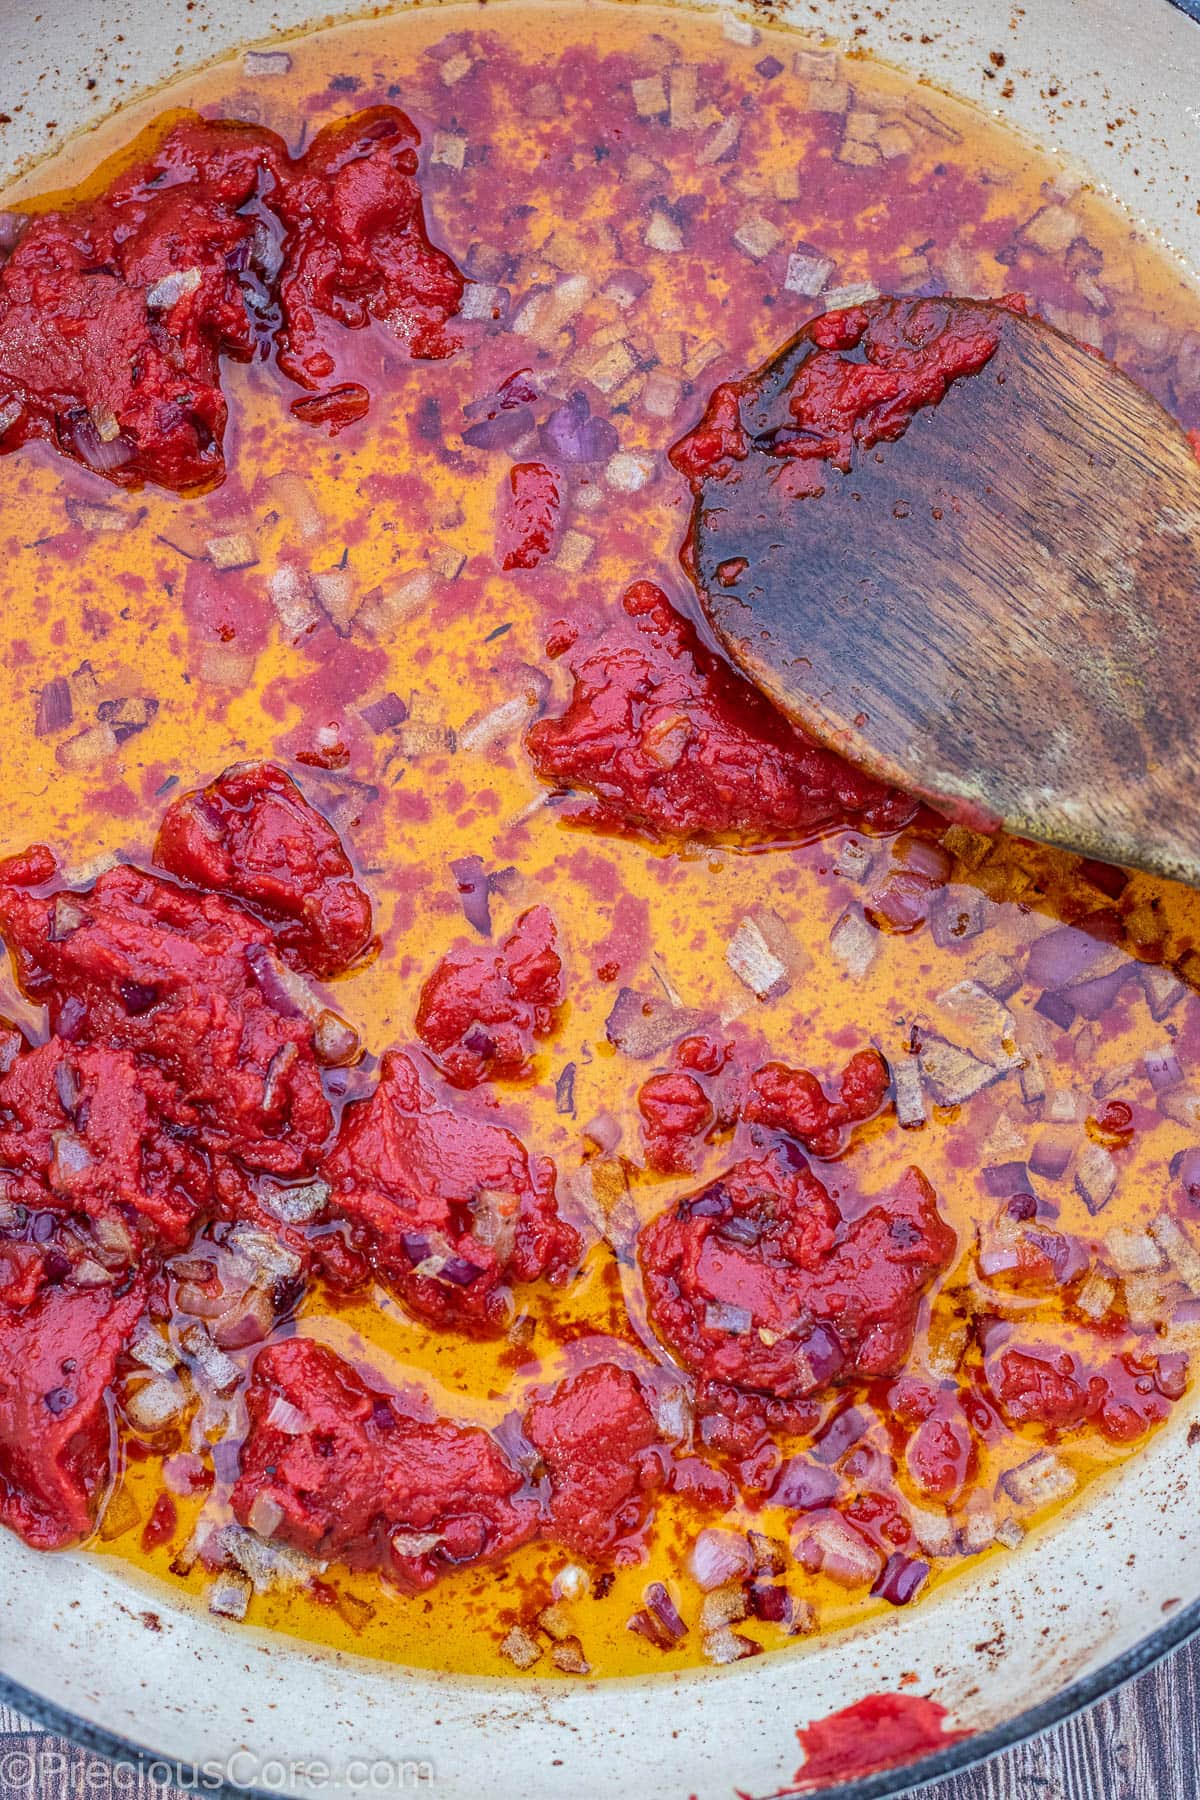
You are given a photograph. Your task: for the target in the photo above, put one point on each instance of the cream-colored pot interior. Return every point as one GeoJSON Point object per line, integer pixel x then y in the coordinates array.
{"type": "Point", "coordinates": [1121, 1568]}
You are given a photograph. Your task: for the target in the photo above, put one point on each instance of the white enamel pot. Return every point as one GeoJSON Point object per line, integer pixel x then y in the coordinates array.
{"type": "Point", "coordinates": [1009, 1649]}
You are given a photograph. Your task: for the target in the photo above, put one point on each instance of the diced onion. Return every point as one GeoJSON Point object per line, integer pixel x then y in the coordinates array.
{"type": "Point", "coordinates": [283, 1416]}
{"type": "Point", "coordinates": [172, 287]}
{"type": "Point", "coordinates": [755, 964]}
{"type": "Point", "coordinates": [156, 1403]}
{"type": "Point", "coordinates": [265, 1515]}
{"type": "Point", "coordinates": [718, 1557]}
{"type": "Point", "coordinates": [728, 1646]}
{"type": "Point", "coordinates": [520, 1648]}
{"type": "Point", "coordinates": [229, 1595]}
{"type": "Point", "coordinates": [1039, 1481]}
{"type": "Point", "coordinates": [267, 62]}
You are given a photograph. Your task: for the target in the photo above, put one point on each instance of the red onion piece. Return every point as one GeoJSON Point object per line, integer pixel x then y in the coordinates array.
{"type": "Point", "coordinates": [384, 714]}
{"type": "Point", "coordinates": [720, 1316]}
{"type": "Point", "coordinates": [499, 432]}
{"type": "Point", "coordinates": [94, 451]}
{"type": "Point", "coordinates": [772, 1603]}
{"type": "Point", "coordinates": [660, 1603]}
{"type": "Point", "coordinates": [803, 1485]}
{"type": "Point", "coordinates": [564, 1091]}
{"type": "Point", "coordinates": [643, 1025]}
{"type": "Point", "coordinates": [902, 904]}
{"type": "Point", "coordinates": [1005, 1179]}
{"type": "Point", "coordinates": [832, 1546]}
{"type": "Point", "coordinates": [474, 892]}
{"type": "Point", "coordinates": [901, 1579]}
{"type": "Point", "coordinates": [1171, 1374]}
{"type": "Point", "coordinates": [1057, 1008]}
{"type": "Point", "coordinates": [1163, 1069]}
{"type": "Point", "coordinates": [460, 1271]}
{"type": "Point", "coordinates": [1053, 1151]}
{"type": "Point", "coordinates": [719, 1557]}
{"type": "Point", "coordinates": [925, 856]}
{"type": "Point", "coordinates": [841, 1433]}
{"type": "Point", "coordinates": [12, 224]}
{"type": "Point", "coordinates": [1060, 957]}
{"type": "Point", "coordinates": [55, 710]}
{"type": "Point", "coordinates": [572, 433]}
{"type": "Point", "coordinates": [280, 988]}
{"type": "Point", "coordinates": [604, 1130]}
{"type": "Point", "coordinates": [1092, 999]}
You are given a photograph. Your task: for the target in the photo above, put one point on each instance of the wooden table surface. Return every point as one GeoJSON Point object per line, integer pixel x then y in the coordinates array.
{"type": "Point", "coordinates": [1143, 1744]}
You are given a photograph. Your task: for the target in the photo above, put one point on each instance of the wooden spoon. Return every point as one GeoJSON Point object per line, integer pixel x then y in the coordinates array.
{"type": "Point", "coordinates": [1000, 610]}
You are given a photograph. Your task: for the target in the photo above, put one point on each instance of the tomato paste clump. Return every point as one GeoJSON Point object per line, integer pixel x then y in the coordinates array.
{"type": "Point", "coordinates": [116, 311]}
{"type": "Point", "coordinates": [859, 376]}
{"type": "Point", "coordinates": [941, 1453]}
{"type": "Point", "coordinates": [793, 1101]}
{"type": "Point", "coordinates": [58, 1356]}
{"type": "Point", "coordinates": [251, 834]}
{"type": "Point", "coordinates": [343, 1473]}
{"type": "Point", "coordinates": [189, 981]}
{"type": "Point", "coordinates": [1061, 1389]}
{"type": "Point", "coordinates": [676, 1112]}
{"type": "Point", "coordinates": [82, 1138]}
{"type": "Point", "coordinates": [880, 1732]}
{"type": "Point", "coordinates": [356, 249]}
{"type": "Point", "coordinates": [757, 1281]}
{"type": "Point", "coordinates": [481, 1009]}
{"type": "Point", "coordinates": [448, 1207]}
{"type": "Point", "coordinates": [528, 515]}
{"type": "Point", "coordinates": [597, 1438]}
{"type": "Point", "coordinates": [670, 740]}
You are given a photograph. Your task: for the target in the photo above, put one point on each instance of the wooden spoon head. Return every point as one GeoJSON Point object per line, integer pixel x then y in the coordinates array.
{"type": "Point", "coordinates": [997, 610]}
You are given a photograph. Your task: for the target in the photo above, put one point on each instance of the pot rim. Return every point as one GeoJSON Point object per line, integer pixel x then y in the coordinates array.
{"type": "Point", "coordinates": [885, 1784]}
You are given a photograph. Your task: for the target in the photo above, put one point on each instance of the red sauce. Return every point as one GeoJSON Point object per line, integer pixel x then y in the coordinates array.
{"type": "Point", "coordinates": [58, 1357]}
{"type": "Point", "coordinates": [528, 513]}
{"type": "Point", "coordinates": [759, 1281]}
{"type": "Point", "coordinates": [253, 834]}
{"type": "Point", "coordinates": [345, 1474]}
{"type": "Point", "coordinates": [669, 739]}
{"type": "Point", "coordinates": [600, 1445]}
{"type": "Point", "coordinates": [481, 1009]}
{"type": "Point", "coordinates": [116, 311]}
{"type": "Point", "coordinates": [448, 1206]}
{"type": "Point", "coordinates": [182, 1083]}
{"type": "Point", "coordinates": [860, 377]}
{"type": "Point", "coordinates": [878, 1732]}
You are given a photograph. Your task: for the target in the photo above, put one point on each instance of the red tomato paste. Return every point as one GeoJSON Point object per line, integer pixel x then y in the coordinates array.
{"type": "Point", "coordinates": [341, 1472]}
{"type": "Point", "coordinates": [858, 377]}
{"type": "Point", "coordinates": [669, 739]}
{"type": "Point", "coordinates": [481, 1009]}
{"type": "Point", "coordinates": [115, 311]}
{"type": "Point", "coordinates": [448, 1207]}
{"type": "Point", "coordinates": [757, 1280]}
{"type": "Point", "coordinates": [58, 1356]}
{"type": "Point", "coordinates": [879, 1732]}
{"type": "Point", "coordinates": [252, 833]}
{"type": "Point", "coordinates": [597, 1438]}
